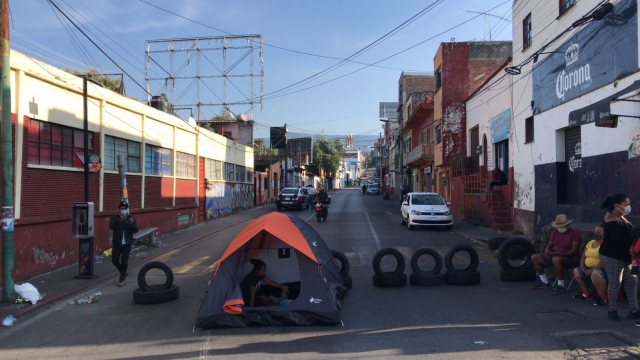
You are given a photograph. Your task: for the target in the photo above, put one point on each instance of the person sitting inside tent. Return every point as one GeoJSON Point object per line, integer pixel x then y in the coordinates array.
{"type": "Point", "coordinates": [254, 294]}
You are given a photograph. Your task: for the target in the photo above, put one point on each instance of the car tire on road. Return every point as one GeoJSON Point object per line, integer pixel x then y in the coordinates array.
{"type": "Point", "coordinates": [409, 226]}
{"type": "Point", "coordinates": [426, 280]}
{"type": "Point", "coordinates": [384, 252]}
{"type": "Point", "coordinates": [473, 264]}
{"type": "Point", "coordinates": [344, 262]}
{"type": "Point", "coordinates": [157, 296]}
{"type": "Point", "coordinates": [462, 278]}
{"type": "Point", "coordinates": [426, 251]}
{"type": "Point", "coordinates": [494, 243]}
{"type": "Point", "coordinates": [390, 280]}
{"type": "Point", "coordinates": [518, 275]}
{"type": "Point", "coordinates": [503, 253]}
{"type": "Point", "coordinates": [142, 274]}
{"type": "Point", "coordinates": [401, 220]}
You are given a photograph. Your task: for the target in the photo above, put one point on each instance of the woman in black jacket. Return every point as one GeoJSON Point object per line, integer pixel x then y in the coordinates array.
{"type": "Point", "coordinates": [616, 253]}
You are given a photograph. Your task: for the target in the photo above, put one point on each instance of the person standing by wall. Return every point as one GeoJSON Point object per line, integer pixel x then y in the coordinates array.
{"type": "Point", "coordinates": [123, 226]}
{"type": "Point", "coordinates": [616, 253]}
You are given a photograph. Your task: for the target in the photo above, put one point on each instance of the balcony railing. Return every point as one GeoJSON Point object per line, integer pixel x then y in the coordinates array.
{"type": "Point", "coordinates": [422, 152]}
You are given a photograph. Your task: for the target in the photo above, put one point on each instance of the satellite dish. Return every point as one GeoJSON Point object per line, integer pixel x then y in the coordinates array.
{"type": "Point", "coordinates": [192, 122]}
{"type": "Point", "coordinates": [242, 117]}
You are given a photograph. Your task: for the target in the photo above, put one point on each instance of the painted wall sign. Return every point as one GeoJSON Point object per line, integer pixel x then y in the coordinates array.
{"type": "Point", "coordinates": [634, 148]}
{"type": "Point", "coordinates": [590, 59]}
{"type": "Point", "coordinates": [501, 126]}
{"type": "Point", "coordinates": [575, 161]}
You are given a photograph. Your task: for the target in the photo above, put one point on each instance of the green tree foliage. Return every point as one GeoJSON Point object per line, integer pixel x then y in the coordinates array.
{"type": "Point", "coordinates": [113, 84]}
{"type": "Point", "coordinates": [260, 149]}
{"type": "Point", "coordinates": [326, 153]}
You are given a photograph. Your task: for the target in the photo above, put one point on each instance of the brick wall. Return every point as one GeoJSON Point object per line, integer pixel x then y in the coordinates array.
{"type": "Point", "coordinates": [112, 192]}
{"type": "Point", "coordinates": [185, 192]}
{"type": "Point", "coordinates": [201, 201]}
{"type": "Point", "coordinates": [158, 192]}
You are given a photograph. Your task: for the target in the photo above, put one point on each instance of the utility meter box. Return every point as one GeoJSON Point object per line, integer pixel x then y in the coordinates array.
{"type": "Point", "coordinates": [82, 220]}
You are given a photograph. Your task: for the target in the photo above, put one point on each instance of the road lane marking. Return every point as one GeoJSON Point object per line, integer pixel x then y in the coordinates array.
{"type": "Point", "coordinates": [204, 350]}
{"type": "Point", "coordinates": [375, 235]}
{"type": "Point", "coordinates": [312, 215]}
{"type": "Point", "coordinates": [211, 267]}
{"type": "Point", "coordinates": [184, 268]}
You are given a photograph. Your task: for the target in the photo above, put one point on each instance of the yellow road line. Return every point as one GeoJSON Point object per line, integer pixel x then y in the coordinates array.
{"type": "Point", "coordinates": [184, 268]}
{"type": "Point", "coordinates": [211, 267]}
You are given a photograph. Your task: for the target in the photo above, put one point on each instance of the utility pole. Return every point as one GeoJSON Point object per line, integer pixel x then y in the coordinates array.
{"type": "Point", "coordinates": [286, 156]}
{"type": "Point", "coordinates": [8, 293]}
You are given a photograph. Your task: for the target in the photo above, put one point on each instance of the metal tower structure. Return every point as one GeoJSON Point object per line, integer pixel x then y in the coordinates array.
{"type": "Point", "coordinates": [188, 86]}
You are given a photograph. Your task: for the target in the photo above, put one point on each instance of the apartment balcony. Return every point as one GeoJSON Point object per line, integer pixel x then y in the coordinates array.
{"type": "Point", "coordinates": [421, 153]}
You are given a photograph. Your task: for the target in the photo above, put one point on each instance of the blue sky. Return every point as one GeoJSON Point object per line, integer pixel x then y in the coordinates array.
{"type": "Point", "coordinates": [329, 28]}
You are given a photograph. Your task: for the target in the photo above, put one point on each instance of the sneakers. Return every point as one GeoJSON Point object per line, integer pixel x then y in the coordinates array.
{"type": "Point", "coordinates": [558, 290]}
{"type": "Point", "coordinates": [582, 296]}
{"type": "Point", "coordinates": [541, 285]}
{"type": "Point", "coordinates": [633, 315]}
{"type": "Point", "coordinates": [121, 281]}
{"type": "Point", "coordinates": [601, 301]}
{"type": "Point", "coordinates": [613, 315]}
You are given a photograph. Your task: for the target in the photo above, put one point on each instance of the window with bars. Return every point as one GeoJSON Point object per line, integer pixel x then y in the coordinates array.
{"type": "Point", "coordinates": [157, 160]}
{"type": "Point", "coordinates": [565, 5]}
{"type": "Point", "coordinates": [438, 134]}
{"type": "Point", "coordinates": [56, 145]}
{"type": "Point", "coordinates": [528, 130]}
{"type": "Point", "coordinates": [213, 170]}
{"type": "Point", "coordinates": [130, 151]}
{"type": "Point", "coordinates": [240, 173]}
{"type": "Point", "coordinates": [229, 172]}
{"type": "Point", "coordinates": [438, 75]}
{"type": "Point", "coordinates": [526, 32]}
{"type": "Point", "coordinates": [185, 165]}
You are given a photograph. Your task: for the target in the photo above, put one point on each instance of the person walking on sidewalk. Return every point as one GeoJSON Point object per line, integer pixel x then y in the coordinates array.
{"type": "Point", "coordinates": [616, 253]}
{"type": "Point", "coordinates": [123, 225]}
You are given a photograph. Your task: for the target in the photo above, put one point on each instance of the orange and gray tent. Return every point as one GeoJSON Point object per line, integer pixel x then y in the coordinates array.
{"type": "Point", "coordinates": [296, 256]}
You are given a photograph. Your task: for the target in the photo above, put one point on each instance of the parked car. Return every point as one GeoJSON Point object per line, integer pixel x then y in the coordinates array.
{"type": "Point", "coordinates": [373, 189]}
{"type": "Point", "coordinates": [292, 198]}
{"type": "Point", "coordinates": [426, 209]}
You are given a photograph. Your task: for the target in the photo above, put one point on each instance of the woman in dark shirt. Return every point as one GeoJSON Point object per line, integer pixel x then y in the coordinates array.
{"type": "Point", "coordinates": [255, 295]}
{"type": "Point", "coordinates": [615, 254]}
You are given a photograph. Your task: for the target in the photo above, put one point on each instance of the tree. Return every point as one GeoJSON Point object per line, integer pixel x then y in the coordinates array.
{"type": "Point", "coordinates": [327, 153]}
{"type": "Point", "coordinates": [112, 84]}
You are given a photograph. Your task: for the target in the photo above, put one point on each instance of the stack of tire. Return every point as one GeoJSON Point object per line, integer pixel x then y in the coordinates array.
{"type": "Point", "coordinates": [344, 267]}
{"type": "Point", "coordinates": [467, 276]}
{"type": "Point", "coordinates": [155, 294]}
{"type": "Point", "coordinates": [514, 249]}
{"type": "Point", "coordinates": [388, 279]}
{"type": "Point", "coordinates": [421, 277]}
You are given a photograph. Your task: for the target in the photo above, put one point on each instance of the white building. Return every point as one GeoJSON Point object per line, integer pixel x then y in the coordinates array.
{"type": "Point", "coordinates": [564, 162]}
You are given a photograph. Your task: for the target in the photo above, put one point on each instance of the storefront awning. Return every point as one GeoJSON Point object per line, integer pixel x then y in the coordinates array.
{"type": "Point", "coordinates": [600, 111]}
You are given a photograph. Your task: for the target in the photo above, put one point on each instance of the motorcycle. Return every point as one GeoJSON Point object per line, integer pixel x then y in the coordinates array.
{"type": "Point", "coordinates": [321, 211]}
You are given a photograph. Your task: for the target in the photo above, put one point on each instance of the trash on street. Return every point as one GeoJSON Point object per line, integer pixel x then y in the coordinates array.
{"type": "Point", "coordinates": [8, 321]}
{"type": "Point", "coordinates": [28, 292]}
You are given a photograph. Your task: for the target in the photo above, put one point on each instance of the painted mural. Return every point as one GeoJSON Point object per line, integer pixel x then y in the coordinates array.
{"type": "Point", "coordinates": [226, 198]}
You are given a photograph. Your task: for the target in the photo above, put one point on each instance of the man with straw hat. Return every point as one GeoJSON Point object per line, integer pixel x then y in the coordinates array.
{"type": "Point", "coordinates": [561, 253]}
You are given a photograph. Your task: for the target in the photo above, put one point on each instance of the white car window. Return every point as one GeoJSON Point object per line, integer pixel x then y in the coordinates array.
{"type": "Point", "coordinates": [427, 199]}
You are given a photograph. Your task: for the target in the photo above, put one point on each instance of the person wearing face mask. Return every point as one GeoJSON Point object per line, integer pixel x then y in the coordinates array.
{"type": "Point", "coordinates": [561, 253]}
{"type": "Point", "coordinates": [123, 225]}
{"type": "Point", "coordinates": [616, 253]}
{"type": "Point", "coordinates": [591, 270]}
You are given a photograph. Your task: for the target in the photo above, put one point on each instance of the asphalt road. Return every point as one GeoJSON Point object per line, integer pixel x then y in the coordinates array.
{"type": "Point", "coordinates": [492, 320]}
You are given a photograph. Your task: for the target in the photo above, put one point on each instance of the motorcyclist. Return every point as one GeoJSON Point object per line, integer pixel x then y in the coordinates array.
{"type": "Point", "coordinates": [323, 198]}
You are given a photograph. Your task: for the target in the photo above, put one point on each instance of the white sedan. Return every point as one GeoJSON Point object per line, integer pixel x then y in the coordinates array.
{"type": "Point", "coordinates": [425, 209]}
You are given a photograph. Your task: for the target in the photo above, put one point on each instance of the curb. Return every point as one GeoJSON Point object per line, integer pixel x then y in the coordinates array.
{"type": "Point", "coordinates": [47, 301]}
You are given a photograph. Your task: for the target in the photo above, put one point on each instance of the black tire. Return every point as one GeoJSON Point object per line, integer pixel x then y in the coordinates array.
{"type": "Point", "coordinates": [156, 297]}
{"type": "Point", "coordinates": [401, 220]}
{"type": "Point", "coordinates": [319, 218]}
{"type": "Point", "coordinates": [409, 226]}
{"type": "Point", "coordinates": [344, 262]}
{"type": "Point", "coordinates": [390, 280]}
{"type": "Point", "coordinates": [426, 280]}
{"type": "Point", "coordinates": [473, 265]}
{"type": "Point", "coordinates": [384, 252]}
{"type": "Point", "coordinates": [142, 281]}
{"type": "Point", "coordinates": [462, 278]}
{"type": "Point", "coordinates": [426, 251]}
{"type": "Point", "coordinates": [515, 253]}
{"type": "Point", "coordinates": [503, 253]}
{"type": "Point", "coordinates": [518, 275]}
{"type": "Point", "coordinates": [494, 243]}
{"type": "Point", "coordinates": [348, 282]}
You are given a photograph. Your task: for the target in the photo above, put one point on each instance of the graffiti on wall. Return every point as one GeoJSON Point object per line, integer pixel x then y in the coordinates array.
{"type": "Point", "coordinates": [226, 198]}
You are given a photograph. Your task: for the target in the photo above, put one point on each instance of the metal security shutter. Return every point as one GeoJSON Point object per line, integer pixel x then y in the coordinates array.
{"type": "Point", "coordinates": [573, 164]}
{"type": "Point", "coordinates": [475, 159]}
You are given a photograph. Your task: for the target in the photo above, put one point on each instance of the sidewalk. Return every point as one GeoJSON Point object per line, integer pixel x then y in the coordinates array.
{"type": "Point", "coordinates": [479, 233]}
{"type": "Point", "coordinates": [60, 283]}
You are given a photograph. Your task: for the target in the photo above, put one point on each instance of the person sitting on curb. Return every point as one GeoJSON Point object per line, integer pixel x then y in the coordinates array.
{"type": "Point", "coordinates": [591, 270]}
{"type": "Point", "coordinates": [560, 253]}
